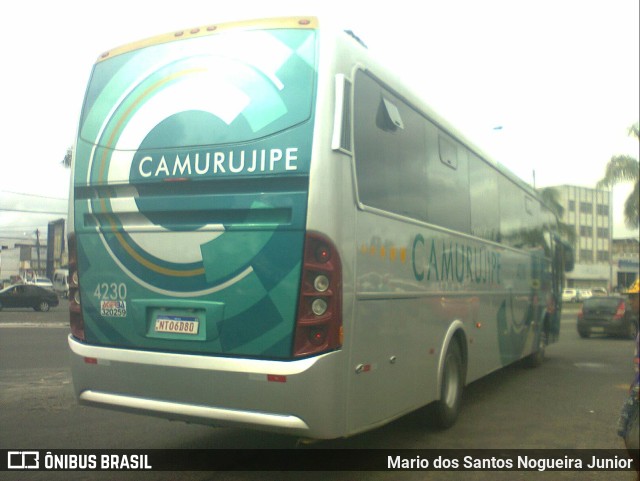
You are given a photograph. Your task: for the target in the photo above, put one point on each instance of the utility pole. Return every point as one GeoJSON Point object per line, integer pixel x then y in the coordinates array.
{"type": "Point", "coordinates": [38, 250]}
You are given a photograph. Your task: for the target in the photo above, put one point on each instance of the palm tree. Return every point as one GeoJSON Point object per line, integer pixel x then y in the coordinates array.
{"type": "Point", "coordinates": [624, 168]}
{"type": "Point", "coordinates": [551, 198]}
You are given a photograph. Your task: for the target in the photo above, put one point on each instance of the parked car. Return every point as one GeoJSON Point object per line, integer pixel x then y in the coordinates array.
{"type": "Point", "coordinates": [570, 295]}
{"type": "Point", "coordinates": [41, 282]}
{"type": "Point", "coordinates": [61, 282]}
{"type": "Point", "coordinates": [606, 315]}
{"type": "Point", "coordinates": [599, 291]}
{"type": "Point", "coordinates": [28, 295]}
{"type": "Point", "coordinates": [584, 294]}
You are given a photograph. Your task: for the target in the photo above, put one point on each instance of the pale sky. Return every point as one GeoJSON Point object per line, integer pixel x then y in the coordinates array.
{"type": "Point", "coordinates": [560, 77]}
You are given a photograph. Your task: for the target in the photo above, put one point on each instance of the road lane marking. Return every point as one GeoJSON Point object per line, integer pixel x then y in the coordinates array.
{"type": "Point", "coordinates": [48, 325]}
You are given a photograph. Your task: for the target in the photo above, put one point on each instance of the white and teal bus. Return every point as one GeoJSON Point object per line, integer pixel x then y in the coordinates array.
{"type": "Point", "coordinates": [268, 230]}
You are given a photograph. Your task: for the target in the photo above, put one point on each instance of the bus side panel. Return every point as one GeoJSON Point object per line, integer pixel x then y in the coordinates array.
{"type": "Point", "coordinates": [412, 284]}
{"type": "Point", "coordinates": [444, 239]}
{"type": "Point", "coordinates": [391, 336]}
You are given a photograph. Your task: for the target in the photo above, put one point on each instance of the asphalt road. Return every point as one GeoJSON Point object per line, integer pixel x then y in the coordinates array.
{"type": "Point", "coordinates": [571, 401]}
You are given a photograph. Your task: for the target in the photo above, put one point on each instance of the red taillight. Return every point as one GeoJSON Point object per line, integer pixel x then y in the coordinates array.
{"type": "Point", "coordinates": [76, 321]}
{"type": "Point", "coordinates": [322, 253]}
{"type": "Point", "coordinates": [620, 312]}
{"type": "Point", "coordinates": [581, 314]}
{"type": "Point", "coordinates": [319, 321]}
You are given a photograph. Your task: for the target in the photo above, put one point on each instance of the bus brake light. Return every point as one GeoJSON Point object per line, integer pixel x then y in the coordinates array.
{"type": "Point", "coordinates": [76, 321]}
{"type": "Point", "coordinates": [319, 321]}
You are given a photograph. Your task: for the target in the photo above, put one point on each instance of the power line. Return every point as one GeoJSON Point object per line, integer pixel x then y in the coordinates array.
{"type": "Point", "coordinates": [33, 195]}
{"type": "Point", "coordinates": [24, 228]}
{"type": "Point", "coordinates": [46, 212]}
{"type": "Point", "coordinates": [21, 228]}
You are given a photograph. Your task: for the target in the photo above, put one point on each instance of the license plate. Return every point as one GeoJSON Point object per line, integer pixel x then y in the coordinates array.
{"type": "Point", "coordinates": [597, 329]}
{"type": "Point", "coordinates": [177, 325]}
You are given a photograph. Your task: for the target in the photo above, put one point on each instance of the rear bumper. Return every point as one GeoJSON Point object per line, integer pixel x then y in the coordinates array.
{"type": "Point", "coordinates": [299, 398]}
{"type": "Point", "coordinates": [617, 327]}
{"type": "Point", "coordinates": [186, 412]}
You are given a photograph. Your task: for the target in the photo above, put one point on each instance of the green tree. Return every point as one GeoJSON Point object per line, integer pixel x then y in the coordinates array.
{"type": "Point", "coordinates": [624, 168]}
{"type": "Point", "coordinates": [551, 198]}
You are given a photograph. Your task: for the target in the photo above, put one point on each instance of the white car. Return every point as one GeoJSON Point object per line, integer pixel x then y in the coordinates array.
{"type": "Point", "coordinates": [584, 294]}
{"type": "Point", "coordinates": [41, 282]}
{"type": "Point", "coordinates": [61, 282]}
{"type": "Point", "coordinates": [570, 295]}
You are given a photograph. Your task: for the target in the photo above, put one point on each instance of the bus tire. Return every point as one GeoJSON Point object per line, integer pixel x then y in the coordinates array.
{"type": "Point", "coordinates": [584, 333]}
{"type": "Point", "coordinates": [444, 412]}
{"type": "Point", "coordinates": [537, 358]}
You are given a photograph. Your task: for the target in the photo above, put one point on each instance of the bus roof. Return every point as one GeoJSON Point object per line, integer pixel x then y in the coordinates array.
{"type": "Point", "coordinates": [267, 23]}
{"type": "Point", "coordinates": [312, 22]}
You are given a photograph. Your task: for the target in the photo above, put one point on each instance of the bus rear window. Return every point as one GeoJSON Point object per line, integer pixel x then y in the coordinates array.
{"type": "Point", "coordinates": [226, 88]}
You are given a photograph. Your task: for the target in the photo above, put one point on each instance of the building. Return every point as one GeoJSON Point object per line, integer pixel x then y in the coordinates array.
{"type": "Point", "coordinates": [57, 255]}
{"type": "Point", "coordinates": [22, 261]}
{"type": "Point", "coordinates": [626, 261]}
{"type": "Point", "coordinates": [589, 214]}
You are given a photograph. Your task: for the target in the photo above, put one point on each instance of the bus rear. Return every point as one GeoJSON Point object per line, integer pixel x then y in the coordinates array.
{"type": "Point", "coordinates": [196, 292]}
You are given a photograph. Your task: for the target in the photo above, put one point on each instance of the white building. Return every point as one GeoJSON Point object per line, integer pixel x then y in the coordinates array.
{"type": "Point", "coordinates": [22, 261]}
{"type": "Point", "coordinates": [589, 213]}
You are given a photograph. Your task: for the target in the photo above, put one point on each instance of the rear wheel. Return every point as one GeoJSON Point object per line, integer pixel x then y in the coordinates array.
{"type": "Point", "coordinates": [445, 411]}
{"type": "Point", "coordinates": [584, 333]}
{"type": "Point", "coordinates": [537, 358]}
{"type": "Point", "coordinates": [43, 306]}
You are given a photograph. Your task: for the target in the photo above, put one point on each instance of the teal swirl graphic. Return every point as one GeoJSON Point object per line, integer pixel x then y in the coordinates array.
{"type": "Point", "coordinates": [176, 111]}
{"type": "Point", "coordinates": [196, 154]}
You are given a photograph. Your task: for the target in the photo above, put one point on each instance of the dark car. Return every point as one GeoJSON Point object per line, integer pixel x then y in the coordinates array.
{"type": "Point", "coordinates": [606, 315]}
{"type": "Point", "coordinates": [25, 295]}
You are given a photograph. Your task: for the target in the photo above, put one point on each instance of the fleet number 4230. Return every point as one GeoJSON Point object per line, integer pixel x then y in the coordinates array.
{"type": "Point", "coordinates": [111, 291]}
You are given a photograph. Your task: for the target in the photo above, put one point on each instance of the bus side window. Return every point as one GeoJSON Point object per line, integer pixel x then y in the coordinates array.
{"type": "Point", "coordinates": [484, 200]}
{"type": "Point", "coordinates": [512, 222]}
{"type": "Point", "coordinates": [447, 188]}
{"type": "Point", "coordinates": [399, 165]}
{"type": "Point", "coordinates": [389, 150]}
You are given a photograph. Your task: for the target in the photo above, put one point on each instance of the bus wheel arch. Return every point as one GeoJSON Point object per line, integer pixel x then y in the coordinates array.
{"type": "Point", "coordinates": [536, 358]}
{"type": "Point", "coordinates": [452, 372]}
